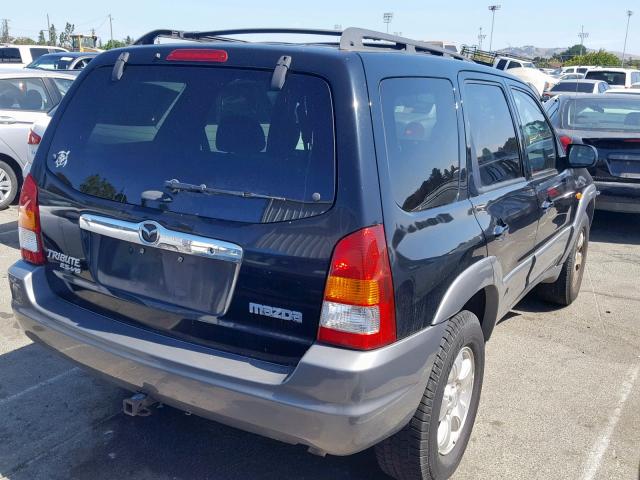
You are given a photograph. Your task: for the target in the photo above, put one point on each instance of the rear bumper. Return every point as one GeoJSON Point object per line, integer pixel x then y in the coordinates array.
{"type": "Point", "coordinates": [618, 197]}
{"type": "Point", "coordinates": [335, 401]}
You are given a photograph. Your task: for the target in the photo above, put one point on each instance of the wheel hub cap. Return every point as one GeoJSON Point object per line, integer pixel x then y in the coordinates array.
{"type": "Point", "coordinates": [456, 400]}
{"type": "Point", "coordinates": [5, 185]}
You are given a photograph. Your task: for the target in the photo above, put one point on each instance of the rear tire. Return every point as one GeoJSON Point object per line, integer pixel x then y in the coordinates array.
{"type": "Point", "coordinates": [431, 445]}
{"type": "Point", "coordinates": [565, 290]}
{"type": "Point", "coordinates": [8, 185]}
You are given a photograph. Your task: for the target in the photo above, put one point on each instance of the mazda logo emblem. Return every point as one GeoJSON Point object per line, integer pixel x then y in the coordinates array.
{"type": "Point", "coordinates": [149, 233]}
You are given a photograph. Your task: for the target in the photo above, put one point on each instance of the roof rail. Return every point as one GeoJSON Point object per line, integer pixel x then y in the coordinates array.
{"type": "Point", "coordinates": [352, 39]}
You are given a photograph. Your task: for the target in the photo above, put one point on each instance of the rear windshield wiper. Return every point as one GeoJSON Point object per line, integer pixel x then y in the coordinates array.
{"type": "Point", "coordinates": [177, 186]}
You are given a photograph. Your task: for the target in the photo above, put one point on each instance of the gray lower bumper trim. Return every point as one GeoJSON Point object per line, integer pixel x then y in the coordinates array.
{"type": "Point", "coordinates": [336, 401]}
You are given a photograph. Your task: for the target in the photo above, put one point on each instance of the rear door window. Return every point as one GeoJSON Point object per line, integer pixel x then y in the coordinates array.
{"type": "Point", "coordinates": [262, 155]}
{"type": "Point", "coordinates": [38, 52]}
{"type": "Point", "coordinates": [612, 78]}
{"type": "Point", "coordinates": [501, 64]}
{"type": "Point", "coordinates": [421, 134]}
{"type": "Point", "coordinates": [62, 84]}
{"type": "Point", "coordinates": [10, 55]}
{"type": "Point", "coordinates": [27, 94]}
{"type": "Point", "coordinates": [493, 135]}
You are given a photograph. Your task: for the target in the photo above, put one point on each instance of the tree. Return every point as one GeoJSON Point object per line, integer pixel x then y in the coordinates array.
{"type": "Point", "coordinates": [113, 44]}
{"type": "Point", "coordinates": [600, 58]}
{"type": "Point", "coordinates": [65, 37]}
{"type": "Point", "coordinates": [4, 31]}
{"type": "Point", "coordinates": [41, 39]}
{"type": "Point", "coordinates": [23, 41]}
{"type": "Point", "coordinates": [53, 35]}
{"type": "Point", "coordinates": [571, 52]}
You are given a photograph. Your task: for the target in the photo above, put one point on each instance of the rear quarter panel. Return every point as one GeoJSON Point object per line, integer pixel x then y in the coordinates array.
{"type": "Point", "coordinates": [428, 250]}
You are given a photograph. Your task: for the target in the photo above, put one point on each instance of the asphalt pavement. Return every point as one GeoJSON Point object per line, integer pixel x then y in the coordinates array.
{"type": "Point", "coordinates": [561, 398]}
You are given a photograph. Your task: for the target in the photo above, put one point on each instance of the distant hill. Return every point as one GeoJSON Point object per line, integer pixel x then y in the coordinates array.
{"type": "Point", "coordinates": [529, 51]}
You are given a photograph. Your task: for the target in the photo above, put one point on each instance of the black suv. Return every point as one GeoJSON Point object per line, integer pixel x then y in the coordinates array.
{"type": "Point", "coordinates": [312, 242]}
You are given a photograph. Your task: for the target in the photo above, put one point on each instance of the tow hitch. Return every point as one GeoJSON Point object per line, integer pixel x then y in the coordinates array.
{"type": "Point", "coordinates": [138, 405]}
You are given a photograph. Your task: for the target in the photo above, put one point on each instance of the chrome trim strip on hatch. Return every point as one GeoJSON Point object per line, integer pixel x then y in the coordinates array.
{"type": "Point", "coordinates": [152, 234]}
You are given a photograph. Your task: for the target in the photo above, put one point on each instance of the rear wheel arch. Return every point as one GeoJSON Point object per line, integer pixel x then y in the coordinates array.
{"type": "Point", "coordinates": [484, 305]}
{"type": "Point", "coordinates": [591, 208]}
{"type": "Point", "coordinates": [17, 169]}
{"type": "Point", "coordinates": [473, 290]}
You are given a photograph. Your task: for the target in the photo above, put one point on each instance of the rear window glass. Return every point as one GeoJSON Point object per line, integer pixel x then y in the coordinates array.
{"type": "Point", "coordinates": [612, 78]}
{"type": "Point", "coordinates": [10, 55]}
{"type": "Point", "coordinates": [51, 62]}
{"type": "Point", "coordinates": [606, 113]}
{"type": "Point", "coordinates": [38, 52]}
{"type": "Point", "coordinates": [260, 155]}
{"type": "Point", "coordinates": [421, 134]}
{"type": "Point", "coordinates": [573, 87]}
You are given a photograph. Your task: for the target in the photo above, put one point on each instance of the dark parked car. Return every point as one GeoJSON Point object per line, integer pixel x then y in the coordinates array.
{"type": "Point", "coordinates": [62, 61]}
{"type": "Point", "coordinates": [610, 123]}
{"type": "Point", "coordinates": [291, 238]}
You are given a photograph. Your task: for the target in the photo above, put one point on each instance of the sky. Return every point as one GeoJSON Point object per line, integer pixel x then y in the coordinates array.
{"type": "Point", "coordinates": [543, 23]}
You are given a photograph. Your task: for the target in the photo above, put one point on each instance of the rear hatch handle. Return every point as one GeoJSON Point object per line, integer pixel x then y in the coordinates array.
{"type": "Point", "coordinates": [152, 234]}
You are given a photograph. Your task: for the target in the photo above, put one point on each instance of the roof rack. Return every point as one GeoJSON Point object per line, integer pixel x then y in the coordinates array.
{"type": "Point", "coordinates": [351, 39]}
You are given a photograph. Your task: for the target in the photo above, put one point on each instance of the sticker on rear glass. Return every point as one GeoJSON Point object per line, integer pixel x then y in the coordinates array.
{"type": "Point", "coordinates": [66, 262]}
{"type": "Point", "coordinates": [61, 158]}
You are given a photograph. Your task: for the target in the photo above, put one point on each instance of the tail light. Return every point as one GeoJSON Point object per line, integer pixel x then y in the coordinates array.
{"type": "Point", "coordinates": [198, 55]}
{"type": "Point", "coordinates": [358, 309]}
{"type": "Point", "coordinates": [565, 141]}
{"type": "Point", "coordinates": [29, 230]}
{"type": "Point", "coordinates": [33, 138]}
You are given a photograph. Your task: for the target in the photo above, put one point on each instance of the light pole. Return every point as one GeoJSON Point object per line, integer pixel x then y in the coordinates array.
{"type": "Point", "coordinates": [481, 37]}
{"type": "Point", "coordinates": [386, 18]}
{"type": "Point", "coordinates": [582, 36]}
{"type": "Point", "coordinates": [493, 9]}
{"type": "Point", "coordinates": [626, 36]}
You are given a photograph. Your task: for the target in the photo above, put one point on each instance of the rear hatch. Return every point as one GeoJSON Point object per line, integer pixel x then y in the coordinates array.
{"type": "Point", "coordinates": [612, 125]}
{"type": "Point", "coordinates": [195, 200]}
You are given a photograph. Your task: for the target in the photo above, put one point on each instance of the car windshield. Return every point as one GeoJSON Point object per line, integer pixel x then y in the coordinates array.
{"type": "Point", "coordinates": [578, 87]}
{"type": "Point", "coordinates": [603, 114]}
{"type": "Point", "coordinates": [225, 129]}
{"type": "Point", "coordinates": [51, 62]}
{"type": "Point", "coordinates": [612, 78]}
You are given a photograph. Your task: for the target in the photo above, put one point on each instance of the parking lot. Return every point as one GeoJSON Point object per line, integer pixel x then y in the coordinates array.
{"type": "Point", "coordinates": [561, 398]}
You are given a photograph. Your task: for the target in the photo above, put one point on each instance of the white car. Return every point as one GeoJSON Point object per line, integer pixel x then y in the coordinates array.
{"type": "Point", "coordinates": [615, 77]}
{"type": "Point", "coordinates": [25, 97]}
{"type": "Point", "coordinates": [17, 56]}
{"type": "Point", "coordinates": [537, 80]}
{"type": "Point", "coordinates": [507, 63]}
{"type": "Point", "coordinates": [576, 87]}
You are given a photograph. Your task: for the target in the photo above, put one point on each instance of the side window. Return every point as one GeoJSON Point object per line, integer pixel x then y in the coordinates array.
{"type": "Point", "coordinates": [635, 77]}
{"type": "Point", "coordinates": [513, 64]}
{"type": "Point", "coordinates": [492, 134]}
{"type": "Point", "coordinates": [63, 85]}
{"type": "Point", "coordinates": [421, 133]}
{"type": "Point", "coordinates": [10, 55]}
{"type": "Point", "coordinates": [539, 141]}
{"type": "Point", "coordinates": [38, 52]}
{"type": "Point", "coordinates": [24, 94]}
{"type": "Point", "coordinates": [501, 64]}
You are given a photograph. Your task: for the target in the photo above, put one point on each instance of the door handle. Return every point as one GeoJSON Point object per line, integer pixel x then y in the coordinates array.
{"type": "Point", "coordinates": [547, 204]}
{"type": "Point", "coordinates": [500, 229]}
{"type": "Point", "coordinates": [7, 120]}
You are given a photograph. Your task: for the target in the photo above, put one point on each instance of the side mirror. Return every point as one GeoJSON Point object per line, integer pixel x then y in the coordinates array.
{"type": "Point", "coordinates": [582, 156]}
